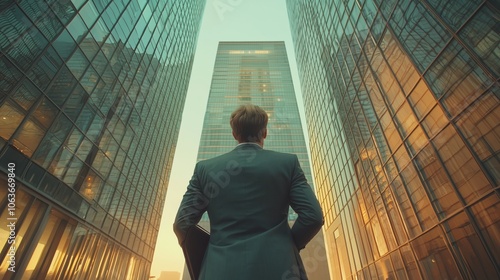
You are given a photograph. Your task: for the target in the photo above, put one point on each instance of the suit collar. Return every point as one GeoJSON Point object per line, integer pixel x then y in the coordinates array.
{"type": "Point", "coordinates": [246, 145]}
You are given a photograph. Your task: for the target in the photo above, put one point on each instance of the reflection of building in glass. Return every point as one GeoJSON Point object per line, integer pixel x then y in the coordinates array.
{"type": "Point", "coordinates": [259, 73]}
{"type": "Point", "coordinates": [91, 99]}
{"type": "Point", "coordinates": [402, 107]}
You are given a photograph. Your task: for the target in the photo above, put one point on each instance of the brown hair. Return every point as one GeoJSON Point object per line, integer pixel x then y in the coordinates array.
{"type": "Point", "coordinates": [248, 123]}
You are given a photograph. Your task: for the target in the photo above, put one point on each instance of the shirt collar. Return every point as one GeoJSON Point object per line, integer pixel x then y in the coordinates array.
{"type": "Point", "coordinates": [251, 143]}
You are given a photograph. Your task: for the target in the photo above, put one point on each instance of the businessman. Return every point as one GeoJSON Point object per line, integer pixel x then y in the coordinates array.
{"type": "Point", "coordinates": [247, 193]}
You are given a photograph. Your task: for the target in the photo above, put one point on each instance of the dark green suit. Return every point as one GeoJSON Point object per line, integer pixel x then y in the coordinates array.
{"type": "Point", "coordinates": [247, 193]}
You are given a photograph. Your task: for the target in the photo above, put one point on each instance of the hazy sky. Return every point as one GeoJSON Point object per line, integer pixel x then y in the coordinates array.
{"type": "Point", "coordinates": [223, 20]}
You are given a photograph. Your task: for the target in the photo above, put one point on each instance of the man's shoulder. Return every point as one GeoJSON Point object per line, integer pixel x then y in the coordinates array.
{"type": "Point", "coordinates": [271, 154]}
{"type": "Point", "coordinates": [273, 157]}
{"type": "Point", "coordinates": [211, 160]}
{"type": "Point", "coordinates": [279, 154]}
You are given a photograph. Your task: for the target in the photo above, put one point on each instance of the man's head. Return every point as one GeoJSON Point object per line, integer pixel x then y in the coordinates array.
{"type": "Point", "coordinates": [249, 124]}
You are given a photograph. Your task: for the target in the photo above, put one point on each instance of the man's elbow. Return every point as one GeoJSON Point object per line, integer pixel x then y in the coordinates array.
{"type": "Point", "coordinates": [305, 228]}
{"type": "Point", "coordinates": [314, 220]}
{"type": "Point", "coordinates": [318, 221]}
{"type": "Point", "coordinates": [179, 232]}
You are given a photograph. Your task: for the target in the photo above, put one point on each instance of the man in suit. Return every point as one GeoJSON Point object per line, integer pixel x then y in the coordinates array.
{"type": "Point", "coordinates": [247, 193]}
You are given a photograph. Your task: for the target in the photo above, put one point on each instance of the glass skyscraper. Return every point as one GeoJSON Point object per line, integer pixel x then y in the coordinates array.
{"type": "Point", "coordinates": [259, 73]}
{"type": "Point", "coordinates": [91, 97]}
{"type": "Point", "coordinates": [402, 107]}
{"type": "Point", "coordinates": [256, 73]}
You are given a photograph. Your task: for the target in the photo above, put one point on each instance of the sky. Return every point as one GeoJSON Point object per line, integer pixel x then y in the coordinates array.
{"type": "Point", "coordinates": [223, 20]}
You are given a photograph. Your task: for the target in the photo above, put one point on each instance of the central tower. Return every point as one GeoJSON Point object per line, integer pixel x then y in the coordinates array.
{"type": "Point", "coordinates": [259, 73]}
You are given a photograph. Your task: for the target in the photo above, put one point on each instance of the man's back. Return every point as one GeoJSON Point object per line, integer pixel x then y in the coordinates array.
{"type": "Point", "coordinates": [252, 193]}
{"type": "Point", "coordinates": [249, 191]}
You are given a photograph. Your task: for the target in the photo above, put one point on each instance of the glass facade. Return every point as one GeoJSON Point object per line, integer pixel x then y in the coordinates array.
{"type": "Point", "coordinates": [91, 98]}
{"type": "Point", "coordinates": [259, 73]}
{"type": "Point", "coordinates": [256, 73]}
{"type": "Point", "coordinates": [402, 107]}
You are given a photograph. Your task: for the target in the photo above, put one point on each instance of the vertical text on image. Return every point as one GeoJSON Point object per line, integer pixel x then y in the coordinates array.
{"type": "Point", "coordinates": [11, 218]}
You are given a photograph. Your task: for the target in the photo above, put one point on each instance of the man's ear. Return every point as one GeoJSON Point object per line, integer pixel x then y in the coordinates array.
{"type": "Point", "coordinates": [264, 133]}
{"type": "Point", "coordinates": [234, 135]}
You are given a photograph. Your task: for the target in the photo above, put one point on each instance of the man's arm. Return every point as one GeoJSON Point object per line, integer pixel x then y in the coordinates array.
{"type": "Point", "coordinates": [193, 205]}
{"type": "Point", "coordinates": [306, 205]}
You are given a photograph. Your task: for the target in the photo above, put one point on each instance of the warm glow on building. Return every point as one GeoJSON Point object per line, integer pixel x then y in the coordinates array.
{"type": "Point", "coordinates": [402, 102]}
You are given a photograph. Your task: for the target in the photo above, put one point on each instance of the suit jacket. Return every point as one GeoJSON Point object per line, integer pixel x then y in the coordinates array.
{"type": "Point", "coordinates": [247, 193]}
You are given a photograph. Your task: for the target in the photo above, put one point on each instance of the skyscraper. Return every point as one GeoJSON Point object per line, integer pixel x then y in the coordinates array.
{"type": "Point", "coordinates": [259, 73]}
{"type": "Point", "coordinates": [402, 107]}
{"type": "Point", "coordinates": [90, 105]}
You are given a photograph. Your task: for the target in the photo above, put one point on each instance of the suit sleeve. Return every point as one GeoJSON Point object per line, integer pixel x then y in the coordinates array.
{"type": "Point", "coordinates": [306, 205]}
{"type": "Point", "coordinates": [194, 204]}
